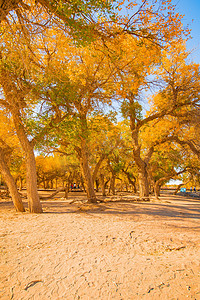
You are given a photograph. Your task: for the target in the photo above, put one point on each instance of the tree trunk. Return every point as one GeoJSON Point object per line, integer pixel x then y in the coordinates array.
{"type": "Point", "coordinates": [66, 191]}
{"type": "Point", "coordinates": [16, 198]}
{"type": "Point", "coordinates": [83, 185]}
{"type": "Point", "coordinates": [96, 169]}
{"type": "Point", "coordinates": [112, 184]}
{"type": "Point", "coordinates": [48, 184]}
{"type": "Point", "coordinates": [97, 185]}
{"type": "Point", "coordinates": [31, 173]}
{"type": "Point", "coordinates": [56, 183]}
{"type": "Point", "coordinates": [87, 174]}
{"type": "Point", "coordinates": [83, 155]}
{"type": "Point", "coordinates": [20, 183]}
{"type": "Point", "coordinates": [143, 183]}
{"type": "Point", "coordinates": [157, 187]}
{"type": "Point", "coordinates": [15, 98]}
{"type": "Point", "coordinates": [103, 185]}
{"type": "Point", "coordinates": [51, 184]}
{"type": "Point", "coordinates": [141, 164]}
{"type": "Point", "coordinates": [31, 183]}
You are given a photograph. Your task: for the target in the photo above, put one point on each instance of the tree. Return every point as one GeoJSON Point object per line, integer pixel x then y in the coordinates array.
{"type": "Point", "coordinates": [179, 98]}
{"type": "Point", "coordinates": [166, 163]}
{"type": "Point", "coordinates": [15, 82]}
{"type": "Point", "coordinates": [9, 145]}
{"type": "Point", "coordinates": [57, 169]}
{"type": "Point", "coordinates": [134, 67]}
{"type": "Point", "coordinates": [174, 109]}
{"type": "Point", "coordinates": [76, 90]}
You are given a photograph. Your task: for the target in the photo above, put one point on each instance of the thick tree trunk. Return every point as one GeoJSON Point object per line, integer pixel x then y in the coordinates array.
{"type": "Point", "coordinates": [31, 183]}
{"type": "Point", "coordinates": [97, 185]}
{"type": "Point", "coordinates": [143, 183]}
{"type": "Point", "coordinates": [51, 184]}
{"type": "Point", "coordinates": [83, 185]}
{"type": "Point", "coordinates": [16, 198]}
{"type": "Point", "coordinates": [31, 173]}
{"type": "Point", "coordinates": [15, 98]}
{"type": "Point", "coordinates": [157, 187]}
{"type": "Point", "coordinates": [83, 156]}
{"type": "Point", "coordinates": [66, 192]}
{"type": "Point", "coordinates": [87, 173]}
{"type": "Point", "coordinates": [96, 169]}
{"type": "Point", "coordinates": [141, 163]}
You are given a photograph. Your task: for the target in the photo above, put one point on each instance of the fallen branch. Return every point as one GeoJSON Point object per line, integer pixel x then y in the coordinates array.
{"type": "Point", "coordinates": [30, 284]}
{"type": "Point", "coordinates": [62, 189]}
{"type": "Point", "coordinates": [177, 249]}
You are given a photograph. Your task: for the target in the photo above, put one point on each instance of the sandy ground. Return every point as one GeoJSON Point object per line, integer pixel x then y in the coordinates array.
{"type": "Point", "coordinates": [114, 250]}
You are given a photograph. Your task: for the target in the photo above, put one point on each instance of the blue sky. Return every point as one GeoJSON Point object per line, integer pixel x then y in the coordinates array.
{"type": "Point", "coordinates": [191, 11]}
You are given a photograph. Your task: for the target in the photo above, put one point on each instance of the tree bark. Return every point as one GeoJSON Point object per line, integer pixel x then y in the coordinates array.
{"type": "Point", "coordinates": [103, 185]}
{"type": "Point", "coordinates": [83, 156]}
{"type": "Point", "coordinates": [10, 182]}
{"type": "Point", "coordinates": [51, 184]}
{"type": "Point", "coordinates": [97, 185]}
{"type": "Point", "coordinates": [112, 184]}
{"type": "Point", "coordinates": [87, 173]}
{"type": "Point", "coordinates": [141, 164]}
{"type": "Point", "coordinates": [66, 191]}
{"type": "Point", "coordinates": [96, 169]}
{"type": "Point", "coordinates": [157, 187]}
{"type": "Point", "coordinates": [15, 100]}
{"type": "Point", "coordinates": [31, 174]}
{"type": "Point", "coordinates": [143, 183]}
{"type": "Point", "coordinates": [31, 183]}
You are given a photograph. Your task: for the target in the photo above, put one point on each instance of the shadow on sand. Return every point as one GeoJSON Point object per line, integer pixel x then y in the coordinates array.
{"type": "Point", "coordinates": [171, 207]}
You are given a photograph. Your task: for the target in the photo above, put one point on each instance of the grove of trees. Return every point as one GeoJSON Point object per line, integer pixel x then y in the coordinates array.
{"type": "Point", "coordinates": [101, 93]}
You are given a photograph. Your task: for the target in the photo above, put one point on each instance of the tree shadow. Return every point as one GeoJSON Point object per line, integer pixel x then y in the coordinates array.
{"type": "Point", "coordinates": [163, 210]}
{"type": "Point", "coordinates": [189, 211]}
{"type": "Point", "coordinates": [186, 209]}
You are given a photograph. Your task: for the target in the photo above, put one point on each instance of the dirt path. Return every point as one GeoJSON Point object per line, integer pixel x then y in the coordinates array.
{"type": "Point", "coordinates": [112, 251]}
